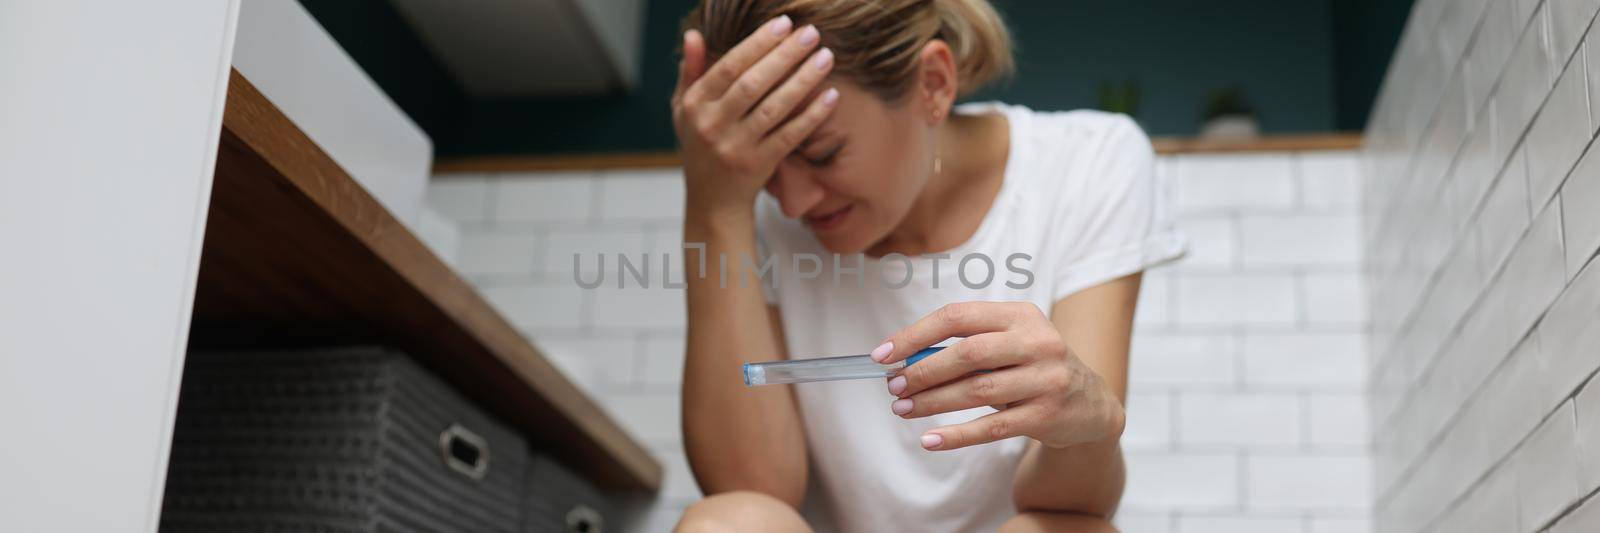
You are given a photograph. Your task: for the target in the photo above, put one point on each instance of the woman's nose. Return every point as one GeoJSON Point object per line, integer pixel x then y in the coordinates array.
{"type": "Point", "coordinates": [796, 190]}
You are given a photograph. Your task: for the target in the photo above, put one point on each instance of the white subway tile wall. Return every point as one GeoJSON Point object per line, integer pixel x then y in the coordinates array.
{"type": "Point", "coordinates": [1480, 234]}
{"type": "Point", "coordinates": [1246, 409]}
{"type": "Point", "coordinates": [1199, 523]}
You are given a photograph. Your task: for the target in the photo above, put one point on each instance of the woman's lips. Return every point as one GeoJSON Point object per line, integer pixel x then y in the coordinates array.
{"type": "Point", "coordinates": [828, 221]}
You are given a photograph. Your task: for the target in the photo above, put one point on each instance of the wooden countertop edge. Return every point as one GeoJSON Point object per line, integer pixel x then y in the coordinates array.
{"type": "Point", "coordinates": [669, 159]}
{"type": "Point", "coordinates": [1271, 143]}
{"type": "Point", "coordinates": [254, 120]}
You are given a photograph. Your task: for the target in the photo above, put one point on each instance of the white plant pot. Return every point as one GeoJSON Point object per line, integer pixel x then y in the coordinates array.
{"type": "Point", "coordinates": [1231, 127]}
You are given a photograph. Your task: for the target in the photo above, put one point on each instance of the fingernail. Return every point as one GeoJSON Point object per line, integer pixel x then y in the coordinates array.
{"type": "Point", "coordinates": [931, 441]}
{"type": "Point", "coordinates": [823, 58]}
{"type": "Point", "coordinates": [897, 385]}
{"type": "Point", "coordinates": [882, 350]}
{"type": "Point", "coordinates": [901, 407]}
{"type": "Point", "coordinates": [830, 97]}
{"type": "Point", "coordinates": [808, 35]}
{"type": "Point", "coordinates": [782, 26]}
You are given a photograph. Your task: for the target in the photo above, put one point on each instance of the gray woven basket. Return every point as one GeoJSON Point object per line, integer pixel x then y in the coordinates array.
{"type": "Point", "coordinates": [557, 500]}
{"type": "Point", "coordinates": [346, 440]}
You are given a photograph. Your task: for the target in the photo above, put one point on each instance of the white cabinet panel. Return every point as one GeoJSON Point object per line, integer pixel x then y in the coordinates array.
{"type": "Point", "coordinates": [109, 118]}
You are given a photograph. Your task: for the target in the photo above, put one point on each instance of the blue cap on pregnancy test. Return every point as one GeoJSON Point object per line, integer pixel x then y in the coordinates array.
{"type": "Point", "coordinates": [826, 368]}
{"type": "Point", "coordinates": [921, 354]}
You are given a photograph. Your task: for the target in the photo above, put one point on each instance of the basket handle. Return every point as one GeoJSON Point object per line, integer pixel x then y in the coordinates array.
{"type": "Point", "coordinates": [464, 451]}
{"type": "Point", "coordinates": [583, 519]}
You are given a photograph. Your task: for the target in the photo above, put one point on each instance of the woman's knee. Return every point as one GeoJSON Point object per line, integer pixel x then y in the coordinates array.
{"type": "Point", "coordinates": [1040, 522]}
{"type": "Point", "coordinates": [741, 511]}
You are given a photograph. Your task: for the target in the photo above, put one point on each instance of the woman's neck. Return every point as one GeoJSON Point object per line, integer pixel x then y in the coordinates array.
{"type": "Point", "coordinates": [972, 152]}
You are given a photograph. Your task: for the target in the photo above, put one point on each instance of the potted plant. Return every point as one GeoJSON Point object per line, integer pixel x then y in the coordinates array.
{"type": "Point", "coordinates": [1123, 98]}
{"type": "Point", "coordinates": [1228, 114]}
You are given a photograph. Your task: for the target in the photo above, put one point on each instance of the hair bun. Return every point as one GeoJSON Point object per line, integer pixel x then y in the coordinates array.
{"type": "Point", "coordinates": [876, 43]}
{"type": "Point", "coordinates": [979, 39]}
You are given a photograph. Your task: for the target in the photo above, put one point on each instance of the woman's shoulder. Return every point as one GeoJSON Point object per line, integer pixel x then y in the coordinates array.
{"type": "Point", "coordinates": [1072, 123]}
{"type": "Point", "coordinates": [1080, 130]}
{"type": "Point", "coordinates": [1067, 140]}
{"type": "Point", "coordinates": [1054, 149]}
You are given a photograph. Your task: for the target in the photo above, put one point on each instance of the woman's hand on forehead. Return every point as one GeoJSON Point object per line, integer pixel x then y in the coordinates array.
{"type": "Point", "coordinates": [739, 117]}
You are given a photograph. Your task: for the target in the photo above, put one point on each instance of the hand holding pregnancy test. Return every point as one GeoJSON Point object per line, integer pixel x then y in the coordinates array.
{"type": "Point", "coordinates": [1010, 357]}
{"type": "Point", "coordinates": [825, 369]}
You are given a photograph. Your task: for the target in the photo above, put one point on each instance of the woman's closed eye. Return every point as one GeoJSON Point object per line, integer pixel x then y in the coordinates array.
{"type": "Point", "coordinates": [822, 158]}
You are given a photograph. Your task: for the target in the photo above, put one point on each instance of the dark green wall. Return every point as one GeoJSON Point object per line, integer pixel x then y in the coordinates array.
{"type": "Point", "coordinates": [1178, 51]}
{"type": "Point", "coordinates": [1306, 66]}
{"type": "Point", "coordinates": [1365, 34]}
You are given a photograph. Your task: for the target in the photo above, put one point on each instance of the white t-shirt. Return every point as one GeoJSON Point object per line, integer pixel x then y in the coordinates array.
{"type": "Point", "coordinates": [1080, 197]}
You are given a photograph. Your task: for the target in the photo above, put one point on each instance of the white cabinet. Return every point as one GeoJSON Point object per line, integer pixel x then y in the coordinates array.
{"type": "Point", "coordinates": [109, 118]}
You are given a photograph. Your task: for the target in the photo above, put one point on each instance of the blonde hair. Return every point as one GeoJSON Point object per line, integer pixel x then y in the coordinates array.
{"type": "Point", "coordinates": [876, 43]}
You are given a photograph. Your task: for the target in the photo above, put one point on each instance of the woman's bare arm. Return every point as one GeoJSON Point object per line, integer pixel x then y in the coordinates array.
{"type": "Point", "coordinates": [735, 121]}
{"type": "Point", "coordinates": [1088, 478]}
{"type": "Point", "coordinates": [737, 437]}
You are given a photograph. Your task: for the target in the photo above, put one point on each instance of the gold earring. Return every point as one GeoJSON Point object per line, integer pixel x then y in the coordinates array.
{"type": "Point", "coordinates": [938, 163]}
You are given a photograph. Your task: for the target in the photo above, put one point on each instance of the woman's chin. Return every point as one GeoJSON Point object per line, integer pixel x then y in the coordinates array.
{"type": "Point", "coordinates": [844, 242]}
{"type": "Point", "coordinates": [839, 232]}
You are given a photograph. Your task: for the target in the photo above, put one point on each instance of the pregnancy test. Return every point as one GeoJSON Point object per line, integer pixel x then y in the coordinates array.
{"type": "Point", "coordinates": [826, 369]}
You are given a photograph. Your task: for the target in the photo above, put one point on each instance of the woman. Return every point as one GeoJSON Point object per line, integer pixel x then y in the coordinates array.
{"type": "Point", "coordinates": [842, 111]}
